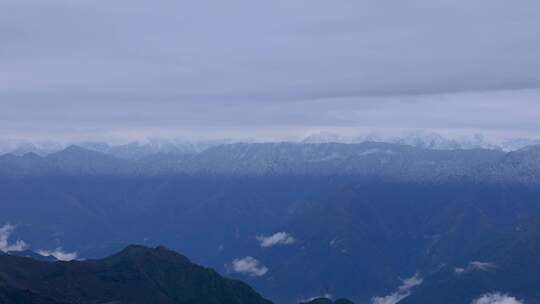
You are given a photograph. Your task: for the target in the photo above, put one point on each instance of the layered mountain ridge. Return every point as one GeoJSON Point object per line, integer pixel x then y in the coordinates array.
{"type": "Point", "coordinates": [393, 161]}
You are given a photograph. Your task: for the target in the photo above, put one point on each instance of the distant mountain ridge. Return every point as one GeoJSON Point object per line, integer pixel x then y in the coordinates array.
{"type": "Point", "coordinates": [393, 161]}
{"type": "Point", "coordinates": [154, 146]}
{"type": "Point", "coordinates": [131, 150]}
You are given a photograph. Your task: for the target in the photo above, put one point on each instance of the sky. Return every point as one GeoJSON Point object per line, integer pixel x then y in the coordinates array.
{"type": "Point", "coordinates": [268, 69]}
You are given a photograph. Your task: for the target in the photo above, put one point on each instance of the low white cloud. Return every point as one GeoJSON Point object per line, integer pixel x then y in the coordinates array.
{"type": "Point", "coordinates": [59, 254]}
{"type": "Point", "coordinates": [411, 282]}
{"type": "Point", "coordinates": [279, 238]}
{"type": "Point", "coordinates": [476, 266]}
{"type": "Point", "coordinates": [496, 298]}
{"type": "Point", "coordinates": [5, 246]}
{"type": "Point", "coordinates": [403, 291]}
{"type": "Point", "coordinates": [250, 266]}
{"type": "Point", "coordinates": [334, 243]}
{"type": "Point", "coordinates": [326, 295]}
{"type": "Point", "coordinates": [20, 245]}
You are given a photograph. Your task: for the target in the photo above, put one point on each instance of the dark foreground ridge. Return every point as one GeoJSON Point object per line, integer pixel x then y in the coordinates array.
{"type": "Point", "coordinates": [135, 275]}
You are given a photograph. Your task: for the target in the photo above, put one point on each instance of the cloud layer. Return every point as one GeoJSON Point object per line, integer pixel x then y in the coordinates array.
{"type": "Point", "coordinates": [267, 68]}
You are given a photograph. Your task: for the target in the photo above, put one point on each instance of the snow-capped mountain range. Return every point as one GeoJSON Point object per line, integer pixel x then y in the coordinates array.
{"type": "Point", "coordinates": [367, 159]}
{"type": "Point", "coordinates": [148, 147]}
{"type": "Point", "coordinates": [428, 140]}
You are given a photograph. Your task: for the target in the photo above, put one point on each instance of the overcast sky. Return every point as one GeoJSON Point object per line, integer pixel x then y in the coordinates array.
{"type": "Point", "coordinates": [271, 69]}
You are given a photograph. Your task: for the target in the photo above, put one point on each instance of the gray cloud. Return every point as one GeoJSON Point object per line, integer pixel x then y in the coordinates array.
{"type": "Point", "coordinates": [135, 67]}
